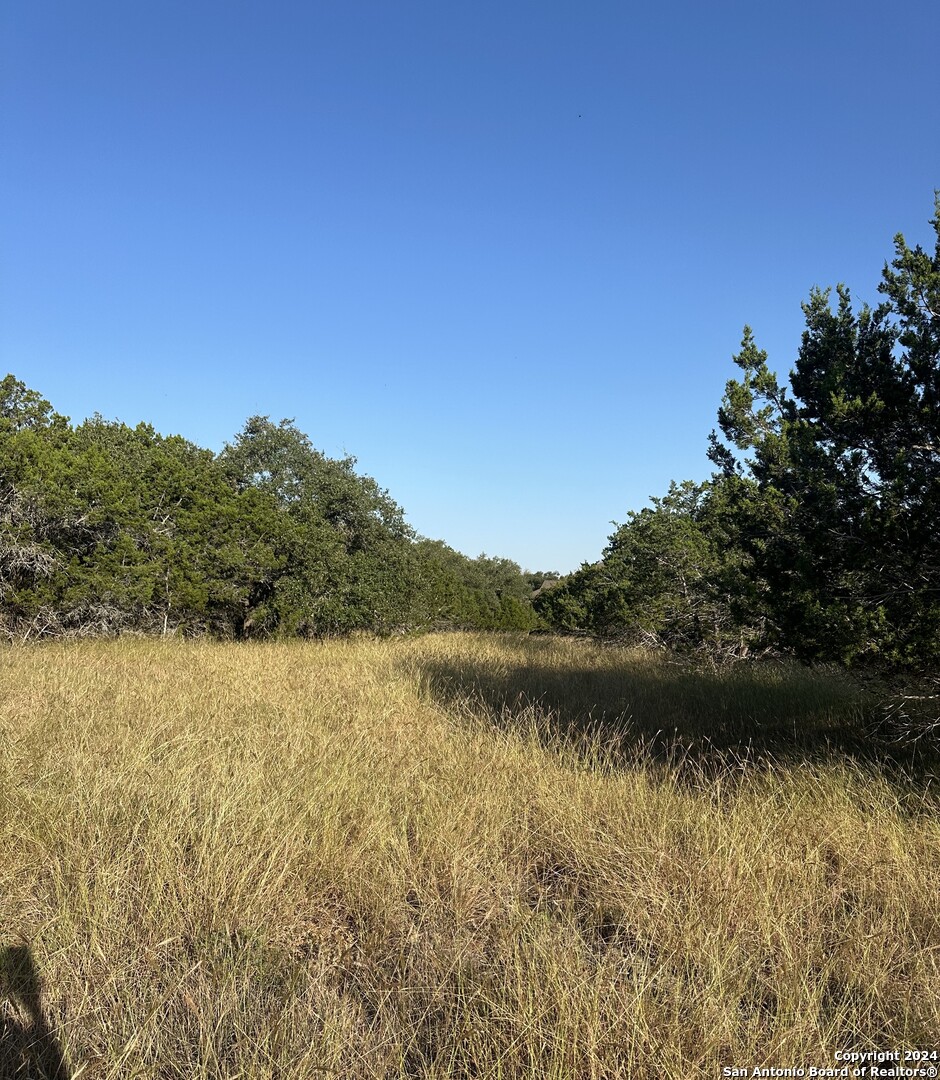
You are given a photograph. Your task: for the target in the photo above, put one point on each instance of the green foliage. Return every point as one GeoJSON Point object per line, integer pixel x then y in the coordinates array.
{"type": "Point", "coordinates": [840, 491]}
{"type": "Point", "coordinates": [135, 530]}
{"type": "Point", "coordinates": [672, 575]}
{"type": "Point", "coordinates": [818, 534]}
{"type": "Point", "coordinates": [105, 528]}
{"type": "Point", "coordinates": [478, 594]}
{"type": "Point", "coordinates": [347, 550]}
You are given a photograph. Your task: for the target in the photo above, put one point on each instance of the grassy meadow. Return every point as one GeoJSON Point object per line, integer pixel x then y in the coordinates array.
{"type": "Point", "coordinates": [451, 856]}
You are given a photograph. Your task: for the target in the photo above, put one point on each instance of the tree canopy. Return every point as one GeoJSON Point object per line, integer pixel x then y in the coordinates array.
{"type": "Point", "coordinates": [818, 533]}
{"type": "Point", "coordinates": [106, 528]}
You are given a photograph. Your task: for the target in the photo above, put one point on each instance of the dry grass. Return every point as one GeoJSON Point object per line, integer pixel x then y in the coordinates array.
{"type": "Point", "coordinates": [450, 856]}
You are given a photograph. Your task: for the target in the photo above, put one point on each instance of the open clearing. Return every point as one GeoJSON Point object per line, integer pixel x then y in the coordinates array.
{"type": "Point", "coordinates": [451, 856]}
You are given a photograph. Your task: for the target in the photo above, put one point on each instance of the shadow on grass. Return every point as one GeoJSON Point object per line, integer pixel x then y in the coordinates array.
{"type": "Point", "coordinates": [621, 708]}
{"type": "Point", "coordinates": [29, 1049]}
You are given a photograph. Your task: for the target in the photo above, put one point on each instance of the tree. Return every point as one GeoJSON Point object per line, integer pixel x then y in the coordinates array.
{"type": "Point", "coordinates": [31, 434]}
{"type": "Point", "coordinates": [347, 560]}
{"type": "Point", "coordinates": [454, 591]}
{"type": "Point", "coordinates": [104, 527]}
{"type": "Point", "coordinates": [839, 489]}
{"type": "Point", "coordinates": [672, 575]}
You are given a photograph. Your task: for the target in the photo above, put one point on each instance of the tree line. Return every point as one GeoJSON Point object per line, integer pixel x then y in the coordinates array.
{"type": "Point", "coordinates": [106, 528]}
{"type": "Point", "coordinates": [818, 534]}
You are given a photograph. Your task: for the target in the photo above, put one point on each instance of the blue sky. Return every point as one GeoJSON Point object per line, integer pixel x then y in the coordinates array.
{"type": "Point", "coordinates": [501, 252]}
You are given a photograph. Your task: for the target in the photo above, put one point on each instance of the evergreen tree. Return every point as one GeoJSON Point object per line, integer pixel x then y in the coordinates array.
{"type": "Point", "coordinates": [839, 489]}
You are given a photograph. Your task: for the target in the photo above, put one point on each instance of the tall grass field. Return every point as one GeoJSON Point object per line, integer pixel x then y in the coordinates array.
{"type": "Point", "coordinates": [453, 856]}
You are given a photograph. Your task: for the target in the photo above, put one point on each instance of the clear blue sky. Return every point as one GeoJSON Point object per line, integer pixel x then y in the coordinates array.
{"type": "Point", "coordinates": [501, 252]}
